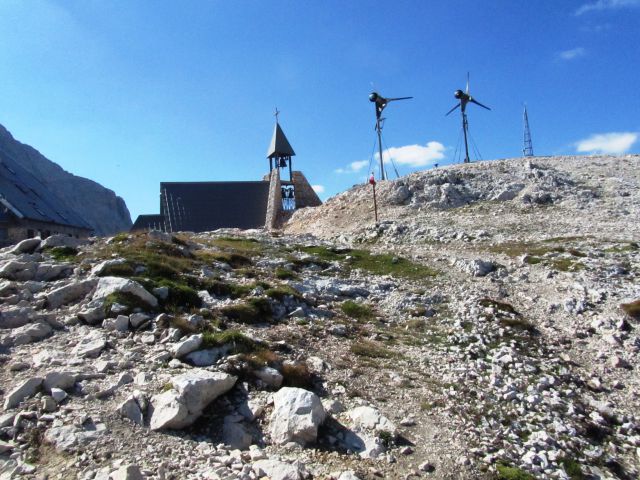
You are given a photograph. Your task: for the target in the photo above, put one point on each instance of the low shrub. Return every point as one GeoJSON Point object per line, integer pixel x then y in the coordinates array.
{"type": "Point", "coordinates": [356, 310]}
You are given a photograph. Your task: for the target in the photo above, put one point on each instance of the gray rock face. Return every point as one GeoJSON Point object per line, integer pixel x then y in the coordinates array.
{"type": "Point", "coordinates": [62, 241]}
{"type": "Point", "coordinates": [28, 245]}
{"type": "Point", "coordinates": [186, 346]}
{"type": "Point", "coordinates": [16, 317]}
{"type": "Point", "coordinates": [127, 472]}
{"type": "Point", "coordinates": [99, 206]}
{"type": "Point", "coordinates": [296, 416]}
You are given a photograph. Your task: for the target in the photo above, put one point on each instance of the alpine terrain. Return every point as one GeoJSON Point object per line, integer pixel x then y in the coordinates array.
{"type": "Point", "coordinates": [486, 327]}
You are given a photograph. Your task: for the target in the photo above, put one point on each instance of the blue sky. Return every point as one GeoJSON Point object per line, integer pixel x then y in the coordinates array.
{"type": "Point", "coordinates": [131, 93]}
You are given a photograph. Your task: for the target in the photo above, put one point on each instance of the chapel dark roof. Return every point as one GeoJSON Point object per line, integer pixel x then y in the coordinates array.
{"type": "Point", "coordinates": [280, 146]}
{"type": "Point", "coordinates": [27, 197]}
{"type": "Point", "coordinates": [206, 206]}
{"type": "Point", "coordinates": [149, 222]}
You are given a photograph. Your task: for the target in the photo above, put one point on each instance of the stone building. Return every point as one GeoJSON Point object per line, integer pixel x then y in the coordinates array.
{"type": "Point", "coordinates": [29, 209]}
{"type": "Point", "coordinates": [206, 206]}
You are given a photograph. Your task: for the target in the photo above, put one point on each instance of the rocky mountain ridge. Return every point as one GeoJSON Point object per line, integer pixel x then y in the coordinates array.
{"type": "Point", "coordinates": [469, 334]}
{"type": "Point", "coordinates": [106, 212]}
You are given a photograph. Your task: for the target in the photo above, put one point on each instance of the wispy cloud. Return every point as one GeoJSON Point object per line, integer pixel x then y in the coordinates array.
{"type": "Point", "coordinates": [353, 167]}
{"type": "Point", "coordinates": [415, 155]}
{"type": "Point", "coordinates": [318, 188]}
{"type": "Point", "coordinates": [573, 53]}
{"type": "Point", "coordinates": [600, 5]}
{"type": "Point", "coordinates": [614, 143]}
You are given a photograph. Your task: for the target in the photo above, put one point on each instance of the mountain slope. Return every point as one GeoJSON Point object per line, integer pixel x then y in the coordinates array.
{"type": "Point", "coordinates": [99, 206]}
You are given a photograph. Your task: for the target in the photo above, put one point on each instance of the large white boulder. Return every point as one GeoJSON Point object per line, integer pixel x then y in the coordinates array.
{"type": "Point", "coordinates": [192, 392]}
{"type": "Point", "coordinates": [296, 416]}
{"type": "Point", "coordinates": [108, 285]}
{"type": "Point", "coordinates": [16, 270]}
{"type": "Point", "coordinates": [69, 293]}
{"type": "Point", "coordinates": [28, 245]}
{"type": "Point", "coordinates": [63, 241]}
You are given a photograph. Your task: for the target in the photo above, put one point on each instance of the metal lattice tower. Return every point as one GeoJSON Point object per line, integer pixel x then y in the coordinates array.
{"type": "Point", "coordinates": [527, 148]}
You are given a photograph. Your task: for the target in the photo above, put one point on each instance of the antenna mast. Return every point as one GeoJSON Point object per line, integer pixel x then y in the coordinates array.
{"type": "Point", "coordinates": [527, 148]}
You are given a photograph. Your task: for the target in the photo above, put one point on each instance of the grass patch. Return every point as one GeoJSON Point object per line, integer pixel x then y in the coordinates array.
{"type": "Point", "coordinates": [356, 310]}
{"type": "Point", "coordinates": [239, 342]}
{"type": "Point", "coordinates": [505, 472]}
{"type": "Point", "coordinates": [566, 265]}
{"type": "Point", "coordinates": [632, 309]}
{"type": "Point", "coordinates": [572, 468]}
{"type": "Point", "coordinates": [296, 375]}
{"type": "Point", "coordinates": [255, 310]}
{"type": "Point", "coordinates": [63, 254]}
{"type": "Point", "coordinates": [284, 274]}
{"type": "Point", "coordinates": [120, 237]}
{"type": "Point", "coordinates": [369, 349]}
{"type": "Point", "coordinates": [130, 301]}
{"type": "Point", "coordinates": [496, 305]}
{"type": "Point", "coordinates": [280, 292]}
{"type": "Point", "coordinates": [377, 264]}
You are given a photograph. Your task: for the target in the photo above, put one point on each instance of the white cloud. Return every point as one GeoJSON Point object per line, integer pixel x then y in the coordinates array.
{"type": "Point", "coordinates": [573, 53]}
{"type": "Point", "coordinates": [353, 167]}
{"type": "Point", "coordinates": [615, 143]}
{"type": "Point", "coordinates": [600, 5]}
{"type": "Point", "coordinates": [318, 188]}
{"type": "Point", "coordinates": [415, 155]}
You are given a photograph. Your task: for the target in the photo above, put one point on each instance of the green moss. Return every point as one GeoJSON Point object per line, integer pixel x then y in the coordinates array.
{"type": "Point", "coordinates": [506, 472]}
{"type": "Point", "coordinates": [367, 348]}
{"type": "Point", "coordinates": [356, 310]}
{"type": "Point", "coordinates": [235, 260]}
{"type": "Point", "coordinates": [63, 254]}
{"type": "Point", "coordinates": [280, 292]}
{"type": "Point", "coordinates": [239, 342]}
{"type": "Point", "coordinates": [255, 310]}
{"type": "Point", "coordinates": [284, 274]}
{"type": "Point", "coordinates": [632, 309]}
{"type": "Point", "coordinates": [566, 265]}
{"type": "Point", "coordinates": [124, 269]}
{"type": "Point", "coordinates": [127, 299]}
{"type": "Point", "coordinates": [572, 468]}
{"type": "Point", "coordinates": [387, 264]}
{"type": "Point", "coordinates": [120, 237]}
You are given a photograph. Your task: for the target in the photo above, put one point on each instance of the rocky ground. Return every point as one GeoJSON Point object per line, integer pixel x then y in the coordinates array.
{"type": "Point", "coordinates": [486, 327]}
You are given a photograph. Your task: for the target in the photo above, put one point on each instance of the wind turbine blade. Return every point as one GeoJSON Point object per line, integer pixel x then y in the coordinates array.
{"type": "Point", "coordinates": [478, 103]}
{"type": "Point", "coordinates": [398, 98]}
{"type": "Point", "coordinates": [457, 106]}
{"type": "Point", "coordinates": [467, 92]}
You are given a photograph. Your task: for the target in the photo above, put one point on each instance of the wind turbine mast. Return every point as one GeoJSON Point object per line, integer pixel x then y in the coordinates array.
{"type": "Point", "coordinates": [527, 148]}
{"type": "Point", "coordinates": [465, 98]}
{"type": "Point", "coordinates": [380, 104]}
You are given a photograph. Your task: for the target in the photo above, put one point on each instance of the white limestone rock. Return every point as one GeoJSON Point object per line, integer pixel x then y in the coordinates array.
{"type": "Point", "coordinates": [26, 389]}
{"type": "Point", "coordinates": [186, 346]}
{"type": "Point", "coordinates": [60, 240]}
{"type": "Point", "coordinates": [90, 346]}
{"type": "Point", "coordinates": [277, 470]}
{"type": "Point", "coordinates": [28, 245]}
{"type": "Point", "coordinates": [30, 333]}
{"type": "Point", "coordinates": [62, 380]}
{"type": "Point", "coordinates": [127, 472]}
{"type": "Point", "coordinates": [269, 376]}
{"type": "Point", "coordinates": [118, 324]}
{"type": "Point", "coordinates": [296, 416]}
{"type": "Point", "coordinates": [191, 393]}
{"type": "Point", "coordinates": [370, 418]}
{"type": "Point", "coordinates": [108, 285]}
{"type": "Point", "coordinates": [69, 293]}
